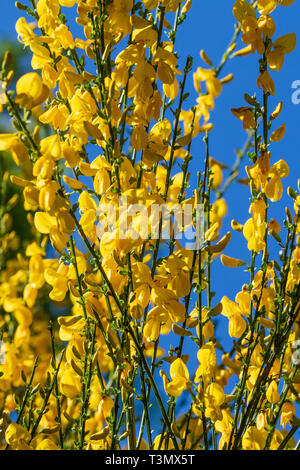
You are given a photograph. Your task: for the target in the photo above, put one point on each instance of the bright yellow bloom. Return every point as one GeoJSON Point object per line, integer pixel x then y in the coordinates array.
{"type": "Point", "coordinates": [245, 114]}
{"type": "Point", "coordinates": [272, 394]}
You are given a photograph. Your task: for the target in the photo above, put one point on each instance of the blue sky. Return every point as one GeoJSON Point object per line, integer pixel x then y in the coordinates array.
{"type": "Point", "coordinates": [210, 26]}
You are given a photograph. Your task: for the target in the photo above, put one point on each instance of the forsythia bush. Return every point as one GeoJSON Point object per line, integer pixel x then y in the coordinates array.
{"type": "Point", "coordinates": [90, 301]}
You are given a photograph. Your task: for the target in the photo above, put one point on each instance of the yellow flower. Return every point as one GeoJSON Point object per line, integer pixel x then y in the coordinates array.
{"type": "Point", "coordinates": [273, 189]}
{"type": "Point", "coordinates": [31, 91]}
{"type": "Point", "coordinates": [155, 318]}
{"type": "Point", "coordinates": [254, 235]}
{"type": "Point", "coordinates": [166, 298]}
{"type": "Point", "coordinates": [67, 3]}
{"type": "Point", "coordinates": [207, 362]}
{"type": "Point", "coordinates": [282, 46]}
{"type": "Point", "coordinates": [288, 412]}
{"type": "Point", "coordinates": [180, 376]}
{"type": "Point", "coordinates": [273, 226]}
{"type": "Point", "coordinates": [216, 176]}
{"type": "Point", "coordinates": [214, 397]}
{"type": "Point", "coordinates": [150, 4]}
{"type": "Point", "coordinates": [58, 280]}
{"type": "Point", "coordinates": [265, 7]}
{"type": "Point", "coordinates": [170, 5]}
{"type": "Point", "coordinates": [44, 222]}
{"type": "Point", "coordinates": [268, 178]}
{"type": "Point", "coordinates": [213, 84]}
{"type": "Point", "coordinates": [24, 31]}
{"type": "Point", "coordinates": [266, 24]}
{"type": "Point", "coordinates": [272, 394]}
{"type": "Point", "coordinates": [70, 383]}
{"type": "Point", "coordinates": [278, 134]}
{"type": "Point", "coordinates": [106, 405]}
{"type": "Point", "coordinates": [245, 114]}
{"type": "Point", "coordinates": [231, 262]}
{"type": "Point", "coordinates": [231, 310]}
{"type": "Point", "coordinates": [242, 10]}
{"type": "Point", "coordinates": [16, 434]}
{"type": "Point", "coordinates": [47, 444]}
{"type": "Point", "coordinates": [253, 439]}
{"type": "Point", "coordinates": [265, 82]}
{"type": "Point", "coordinates": [16, 148]}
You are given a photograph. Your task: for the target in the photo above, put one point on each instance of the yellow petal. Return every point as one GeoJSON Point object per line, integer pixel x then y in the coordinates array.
{"type": "Point", "coordinates": [242, 9]}
{"type": "Point", "coordinates": [179, 369]}
{"type": "Point", "coordinates": [44, 222]}
{"type": "Point", "coordinates": [286, 43]}
{"type": "Point", "coordinates": [231, 262]}
{"type": "Point", "coordinates": [278, 135]}
{"type": "Point", "coordinates": [176, 387]}
{"type": "Point", "coordinates": [272, 394]}
{"type": "Point", "coordinates": [253, 439]}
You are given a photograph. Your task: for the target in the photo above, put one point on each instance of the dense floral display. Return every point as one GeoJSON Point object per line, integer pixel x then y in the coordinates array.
{"type": "Point", "coordinates": [92, 294]}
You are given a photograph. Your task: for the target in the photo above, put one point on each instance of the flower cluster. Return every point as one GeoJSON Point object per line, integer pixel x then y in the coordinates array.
{"type": "Point", "coordinates": [90, 295]}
